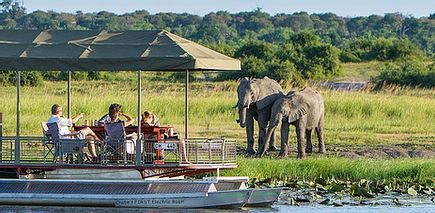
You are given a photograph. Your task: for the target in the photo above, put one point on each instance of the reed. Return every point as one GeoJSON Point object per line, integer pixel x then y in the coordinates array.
{"type": "Point", "coordinates": [403, 170]}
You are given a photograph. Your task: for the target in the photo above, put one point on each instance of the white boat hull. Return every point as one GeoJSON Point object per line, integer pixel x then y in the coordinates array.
{"type": "Point", "coordinates": [263, 197]}
{"type": "Point", "coordinates": [227, 199]}
{"type": "Point", "coordinates": [137, 194]}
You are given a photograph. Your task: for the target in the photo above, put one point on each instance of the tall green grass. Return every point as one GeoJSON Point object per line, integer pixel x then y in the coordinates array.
{"type": "Point", "coordinates": [413, 170]}
{"type": "Point", "coordinates": [395, 116]}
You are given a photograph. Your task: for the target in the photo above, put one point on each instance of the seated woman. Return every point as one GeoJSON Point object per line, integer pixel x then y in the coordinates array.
{"type": "Point", "coordinates": [149, 119]}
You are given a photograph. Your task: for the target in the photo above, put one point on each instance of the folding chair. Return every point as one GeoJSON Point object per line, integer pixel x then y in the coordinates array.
{"type": "Point", "coordinates": [119, 145]}
{"type": "Point", "coordinates": [46, 141]}
{"type": "Point", "coordinates": [66, 145]}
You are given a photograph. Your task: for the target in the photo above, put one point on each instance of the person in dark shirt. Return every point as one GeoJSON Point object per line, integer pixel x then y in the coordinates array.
{"type": "Point", "coordinates": [115, 114]}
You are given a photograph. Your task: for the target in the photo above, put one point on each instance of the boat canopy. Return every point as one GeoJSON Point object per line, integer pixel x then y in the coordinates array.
{"type": "Point", "coordinates": [85, 50]}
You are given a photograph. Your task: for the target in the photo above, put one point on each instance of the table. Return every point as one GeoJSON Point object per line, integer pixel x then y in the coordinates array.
{"type": "Point", "coordinates": [151, 133]}
{"type": "Point", "coordinates": [155, 132]}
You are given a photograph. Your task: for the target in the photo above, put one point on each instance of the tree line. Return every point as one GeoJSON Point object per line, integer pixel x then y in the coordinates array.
{"type": "Point", "coordinates": [287, 47]}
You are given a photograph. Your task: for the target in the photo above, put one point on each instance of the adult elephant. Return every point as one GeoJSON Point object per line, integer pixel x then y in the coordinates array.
{"type": "Point", "coordinates": [255, 100]}
{"type": "Point", "coordinates": [303, 109]}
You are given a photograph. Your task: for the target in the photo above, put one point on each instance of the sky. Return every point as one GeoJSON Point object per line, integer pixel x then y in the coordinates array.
{"type": "Point", "coordinates": [347, 8]}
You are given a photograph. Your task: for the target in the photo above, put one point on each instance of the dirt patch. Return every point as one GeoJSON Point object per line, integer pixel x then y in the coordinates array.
{"type": "Point", "coordinates": [380, 152]}
{"type": "Point", "coordinates": [383, 152]}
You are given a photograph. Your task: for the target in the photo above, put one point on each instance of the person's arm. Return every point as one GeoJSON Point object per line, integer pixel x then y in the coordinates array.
{"type": "Point", "coordinates": [156, 121]}
{"type": "Point", "coordinates": [129, 121]}
{"type": "Point", "coordinates": [103, 119]}
{"type": "Point", "coordinates": [75, 118]}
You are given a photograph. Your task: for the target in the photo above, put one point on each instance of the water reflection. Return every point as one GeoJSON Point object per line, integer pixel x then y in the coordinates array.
{"type": "Point", "coordinates": [274, 209]}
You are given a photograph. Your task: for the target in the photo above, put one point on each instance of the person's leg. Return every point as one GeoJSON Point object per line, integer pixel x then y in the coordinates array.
{"type": "Point", "coordinates": [88, 132]}
{"type": "Point", "coordinates": [183, 152]}
{"type": "Point", "coordinates": [91, 137]}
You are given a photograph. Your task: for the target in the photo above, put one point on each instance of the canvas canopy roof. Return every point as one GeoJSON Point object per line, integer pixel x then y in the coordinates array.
{"type": "Point", "coordinates": [49, 50]}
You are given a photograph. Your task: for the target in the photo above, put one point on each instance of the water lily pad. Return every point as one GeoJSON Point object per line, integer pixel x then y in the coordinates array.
{"type": "Point", "coordinates": [363, 181]}
{"type": "Point", "coordinates": [357, 190]}
{"type": "Point", "coordinates": [336, 188]}
{"type": "Point", "coordinates": [428, 191]}
{"type": "Point", "coordinates": [337, 204]}
{"type": "Point", "coordinates": [321, 181]}
{"type": "Point", "coordinates": [412, 191]}
{"type": "Point", "coordinates": [325, 202]}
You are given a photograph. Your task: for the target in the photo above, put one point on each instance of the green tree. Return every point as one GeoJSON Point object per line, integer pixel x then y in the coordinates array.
{"type": "Point", "coordinates": [215, 27]}
{"type": "Point", "coordinates": [297, 21]}
{"type": "Point", "coordinates": [10, 12]}
{"type": "Point", "coordinates": [257, 49]}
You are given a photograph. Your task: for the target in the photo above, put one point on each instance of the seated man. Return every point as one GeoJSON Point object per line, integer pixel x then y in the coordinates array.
{"type": "Point", "coordinates": [65, 123]}
{"type": "Point", "coordinates": [114, 116]}
{"type": "Point", "coordinates": [149, 119]}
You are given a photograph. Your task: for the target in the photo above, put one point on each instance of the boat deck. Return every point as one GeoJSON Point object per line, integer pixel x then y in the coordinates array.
{"type": "Point", "coordinates": [36, 155]}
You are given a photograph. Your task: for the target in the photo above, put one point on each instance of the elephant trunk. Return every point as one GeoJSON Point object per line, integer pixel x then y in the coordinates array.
{"type": "Point", "coordinates": [242, 116]}
{"type": "Point", "coordinates": [267, 137]}
{"type": "Point", "coordinates": [269, 133]}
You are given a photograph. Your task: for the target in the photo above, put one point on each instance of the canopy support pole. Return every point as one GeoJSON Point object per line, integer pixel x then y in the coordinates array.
{"type": "Point", "coordinates": [139, 139]}
{"type": "Point", "coordinates": [1, 136]}
{"type": "Point", "coordinates": [69, 94]}
{"type": "Point", "coordinates": [17, 133]}
{"type": "Point", "coordinates": [186, 107]}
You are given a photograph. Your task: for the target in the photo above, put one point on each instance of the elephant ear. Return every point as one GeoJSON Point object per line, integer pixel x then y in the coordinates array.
{"type": "Point", "coordinates": [298, 108]}
{"type": "Point", "coordinates": [244, 80]}
{"type": "Point", "coordinates": [268, 92]}
{"type": "Point", "coordinates": [268, 100]}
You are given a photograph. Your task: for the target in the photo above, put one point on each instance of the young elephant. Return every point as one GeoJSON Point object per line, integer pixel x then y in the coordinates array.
{"type": "Point", "coordinates": [303, 109]}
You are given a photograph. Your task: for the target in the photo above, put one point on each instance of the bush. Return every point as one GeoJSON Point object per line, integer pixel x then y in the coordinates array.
{"type": "Point", "coordinates": [408, 72]}
{"type": "Point", "coordinates": [302, 57]}
{"type": "Point", "coordinates": [251, 67]}
{"type": "Point", "coordinates": [381, 49]}
{"type": "Point", "coordinates": [320, 61]}
{"type": "Point", "coordinates": [181, 76]}
{"type": "Point", "coordinates": [75, 75]}
{"type": "Point", "coordinates": [349, 57]}
{"type": "Point", "coordinates": [285, 72]}
{"type": "Point", "coordinates": [258, 49]}
{"type": "Point", "coordinates": [27, 78]}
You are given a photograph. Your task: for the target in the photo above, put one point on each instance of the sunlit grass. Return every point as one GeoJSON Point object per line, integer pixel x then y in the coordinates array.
{"type": "Point", "coordinates": [416, 170]}
{"type": "Point", "coordinates": [393, 116]}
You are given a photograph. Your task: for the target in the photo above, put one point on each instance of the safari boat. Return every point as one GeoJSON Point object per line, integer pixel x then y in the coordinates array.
{"type": "Point", "coordinates": [46, 156]}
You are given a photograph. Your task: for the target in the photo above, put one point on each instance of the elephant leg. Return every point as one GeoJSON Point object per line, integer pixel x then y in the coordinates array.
{"type": "Point", "coordinates": [300, 132]}
{"type": "Point", "coordinates": [250, 133]}
{"type": "Point", "coordinates": [319, 132]}
{"type": "Point", "coordinates": [263, 119]}
{"type": "Point", "coordinates": [272, 146]}
{"type": "Point", "coordinates": [284, 139]}
{"type": "Point", "coordinates": [309, 147]}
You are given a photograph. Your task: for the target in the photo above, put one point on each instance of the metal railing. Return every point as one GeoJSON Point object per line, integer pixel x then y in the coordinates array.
{"type": "Point", "coordinates": [41, 150]}
{"type": "Point", "coordinates": [211, 151]}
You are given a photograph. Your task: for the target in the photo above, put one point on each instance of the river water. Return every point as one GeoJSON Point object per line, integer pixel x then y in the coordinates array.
{"type": "Point", "coordinates": [275, 209]}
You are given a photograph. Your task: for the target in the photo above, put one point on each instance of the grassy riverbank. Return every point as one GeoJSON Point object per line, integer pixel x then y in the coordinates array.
{"type": "Point", "coordinates": [412, 170]}
{"type": "Point", "coordinates": [356, 120]}
{"type": "Point", "coordinates": [326, 175]}
{"type": "Point", "coordinates": [367, 127]}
